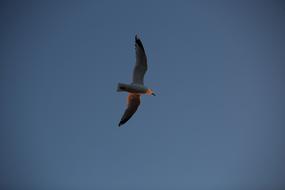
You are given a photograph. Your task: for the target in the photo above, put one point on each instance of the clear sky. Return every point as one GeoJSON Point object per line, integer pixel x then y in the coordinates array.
{"type": "Point", "coordinates": [217, 122]}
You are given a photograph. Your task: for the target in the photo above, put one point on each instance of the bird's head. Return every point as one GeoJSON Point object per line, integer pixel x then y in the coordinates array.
{"type": "Point", "coordinates": [150, 92]}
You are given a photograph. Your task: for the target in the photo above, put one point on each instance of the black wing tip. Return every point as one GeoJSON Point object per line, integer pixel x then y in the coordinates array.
{"type": "Point", "coordinates": [137, 37]}
{"type": "Point", "coordinates": [139, 42]}
{"type": "Point", "coordinates": [121, 123]}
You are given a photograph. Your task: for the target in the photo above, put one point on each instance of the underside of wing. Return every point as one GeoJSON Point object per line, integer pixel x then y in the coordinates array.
{"type": "Point", "coordinates": [141, 62]}
{"type": "Point", "coordinates": [133, 104]}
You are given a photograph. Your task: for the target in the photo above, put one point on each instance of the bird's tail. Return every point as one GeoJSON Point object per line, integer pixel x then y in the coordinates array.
{"type": "Point", "coordinates": [120, 87]}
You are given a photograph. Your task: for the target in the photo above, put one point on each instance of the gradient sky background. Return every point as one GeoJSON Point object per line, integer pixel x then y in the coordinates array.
{"type": "Point", "coordinates": [217, 122]}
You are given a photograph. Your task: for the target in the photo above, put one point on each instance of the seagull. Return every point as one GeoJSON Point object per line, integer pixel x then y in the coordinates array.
{"type": "Point", "coordinates": [137, 87]}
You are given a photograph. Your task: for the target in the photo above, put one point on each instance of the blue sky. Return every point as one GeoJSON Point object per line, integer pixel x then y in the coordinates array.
{"type": "Point", "coordinates": [217, 121]}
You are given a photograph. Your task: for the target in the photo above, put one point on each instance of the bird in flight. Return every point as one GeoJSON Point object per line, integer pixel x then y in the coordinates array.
{"type": "Point", "coordinates": [137, 87]}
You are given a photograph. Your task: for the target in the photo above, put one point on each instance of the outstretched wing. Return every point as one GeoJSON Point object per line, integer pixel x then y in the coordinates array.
{"type": "Point", "coordinates": [141, 62]}
{"type": "Point", "coordinates": [133, 104]}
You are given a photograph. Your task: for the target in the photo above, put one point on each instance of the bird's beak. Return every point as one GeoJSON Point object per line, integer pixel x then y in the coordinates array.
{"type": "Point", "coordinates": [153, 94]}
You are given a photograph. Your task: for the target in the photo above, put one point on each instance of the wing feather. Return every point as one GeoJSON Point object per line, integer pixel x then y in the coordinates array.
{"type": "Point", "coordinates": [133, 104]}
{"type": "Point", "coordinates": [141, 62]}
